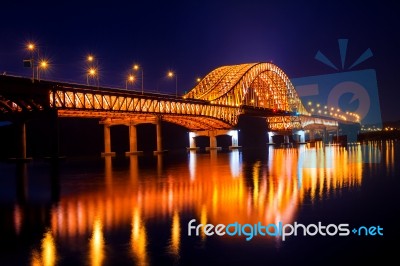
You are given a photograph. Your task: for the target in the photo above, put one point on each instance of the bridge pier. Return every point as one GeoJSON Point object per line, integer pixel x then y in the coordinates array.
{"type": "Point", "coordinates": [132, 141]}
{"type": "Point", "coordinates": [213, 141]}
{"type": "Point", "coordinates": [270, 140]}
{"type": "Point", "coordinates": [22, 153]}
{"type": "Point", "coordinates": [107, 141]}
{"type": "Point", "coordinates": [301, 137]}
{"type": "Point", "coordinates": [159, 137]}
{"type": "Point", "coordinates": [235, 139]}
{"type": "Point", "coordinates": [23, 141]}
{"type": "Point", "coordinates": [192, 141]}
{"type": "Point", "coordinates": [212, 134]}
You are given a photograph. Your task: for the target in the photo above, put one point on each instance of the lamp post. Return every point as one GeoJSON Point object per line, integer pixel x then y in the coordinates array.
{"type": "Point", "coordinates": [171, 75]}
{"type": "Point", "coordinates": [31, 47]}
{"type": "Point", "coordinates": [136, 68]}
{"type": "Point", "coordinates": [93, 67]}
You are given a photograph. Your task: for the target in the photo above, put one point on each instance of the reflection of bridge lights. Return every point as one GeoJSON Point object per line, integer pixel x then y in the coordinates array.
{"type": "Point", "coordinates": [175, 234]}
{"type": "Point", "coordinates": [49, 254]}
{"type": "Point", "coordinates": [97, 244]}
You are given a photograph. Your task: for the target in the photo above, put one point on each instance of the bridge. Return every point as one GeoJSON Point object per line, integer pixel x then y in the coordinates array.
{"type": "Point", "coordinates": [211, 108]}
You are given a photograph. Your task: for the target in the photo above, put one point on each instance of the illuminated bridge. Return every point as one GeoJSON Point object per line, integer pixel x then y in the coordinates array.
{"type": "Point", "coordinates": [211, 108]}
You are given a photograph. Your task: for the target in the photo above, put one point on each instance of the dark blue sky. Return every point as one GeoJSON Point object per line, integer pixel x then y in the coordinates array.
{"type": "Point", "coordinates": [194, 37]}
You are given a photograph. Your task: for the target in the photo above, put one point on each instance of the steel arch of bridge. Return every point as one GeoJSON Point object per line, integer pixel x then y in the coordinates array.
{"type": "Point", "coordinates": [262, 85]}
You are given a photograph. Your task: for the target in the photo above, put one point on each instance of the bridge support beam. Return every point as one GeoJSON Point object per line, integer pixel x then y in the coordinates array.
{"type": "Point", "coordinates": [159, 137]}
{"type": "Point", "coordinates": [235, 139]}
{"type": "Point", "coordinates": [312, 135]}
{"type": "Point", "coordinates": [23, 141]}
{"type": "Point", "coordinates": [325, 138]}
{"type": "Point", "coordinates": [213, 140]}
{"type": "Point", "coordinates": [192, 141]}
{"type": "Point", "coordinates": [107, 141]}
{"type": "Point", "coordinates": [301, 137]}
{"type": "Point", "coordinates": [132, 141]}
{"type": "Point", "coordinates": [270, 140]}
{"type": "Point", "coordinates": [212, 134]}
{"type": "Point", "coordinates": [21, 155]}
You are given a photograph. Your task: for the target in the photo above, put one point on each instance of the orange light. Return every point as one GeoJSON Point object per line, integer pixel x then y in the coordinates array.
{"type": "Point", "coordinates": [92, 71]}
{"type": "Point", "coordinates": [31, 46]}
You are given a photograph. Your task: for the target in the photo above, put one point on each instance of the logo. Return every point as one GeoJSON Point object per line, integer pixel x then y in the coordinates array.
{"type": "Point", "coordinates": [350, 90]}
{"type": "Point", "coordinates": [281, 230]}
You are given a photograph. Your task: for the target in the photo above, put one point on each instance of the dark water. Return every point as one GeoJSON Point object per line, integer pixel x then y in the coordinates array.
{"type": "Point", "coordinates": [136, 210]}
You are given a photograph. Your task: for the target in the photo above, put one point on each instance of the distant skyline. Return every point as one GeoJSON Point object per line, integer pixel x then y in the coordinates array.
{"type": "Point", "coordinates": [192, 38]}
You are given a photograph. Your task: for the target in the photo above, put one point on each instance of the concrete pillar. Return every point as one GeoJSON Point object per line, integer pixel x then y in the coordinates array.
{"type": "Point", "coordinates": [213, 140]}
{"type": "Point", "coordinates": [132, 141]}
{"type": "Point", "coordinates": [107, 141]}
{"type": "Point", "coordinates": [192, 141]}
{"type": "Point", "coordinates": [235, 139]}
{"type": "Point", "coordinates": [23, 141]}
{"type": "Point", "coordinates": [286, 139]}
{"type": "Point", "coordinates": [325, 136]}
{"type": "Point", "coordinates": [159, 137]}
{"type": "Point", "coordinates": [270, 140]}
{"type": "Point", "coordinates": [302, 138]}
{"type": "Point", "coordinates": [312, 135]}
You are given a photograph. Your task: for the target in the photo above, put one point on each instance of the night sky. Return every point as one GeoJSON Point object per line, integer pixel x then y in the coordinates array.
{"type": "Point", "coordinates": [195, 37]}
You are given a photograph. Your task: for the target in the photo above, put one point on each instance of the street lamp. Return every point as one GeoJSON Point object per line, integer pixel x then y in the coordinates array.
{"type": "Point", "coordinates": [136, 68]}
{"type": "Point", "coordinates": [171, 75]}
{"type": "Point", "coordinates": [92, 72]}
{"type": "Point", "coordinates": [43, 65]}
{"type": "Point", "coordinates": [130, 79]}
{"type": "Point", "coordinates": [31, 47]}
{"type": "Point", "coordinates": [93, 67]}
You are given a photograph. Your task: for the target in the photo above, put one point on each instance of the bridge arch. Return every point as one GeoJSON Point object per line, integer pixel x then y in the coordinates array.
{"type": "Point", "coordinates": [261, 85]}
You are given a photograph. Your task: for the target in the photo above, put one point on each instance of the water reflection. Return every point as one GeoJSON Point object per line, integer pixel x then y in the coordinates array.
{"type": "Point", "coordinates": [175, 239]}
{"type": "Point", "coordinates": [215, 184]}
{"type": "Point", "coordinates": [139, 238]}
{"type": "Point", "coordinates": [48, 254]}
{"type": "Point", "coordinates": [96, 243]}
{"type": "Point", "coordinates": [211, 188]}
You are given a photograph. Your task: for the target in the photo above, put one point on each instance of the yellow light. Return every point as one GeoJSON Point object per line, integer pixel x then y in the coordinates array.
{"type": "Point", "coordinates": [31, 46]}
{"type": "Point", "coordinates": [131, 78]}
{"type": "Point", "coordinates": [97, 243]}
{"type": "Point", "coordinates": [198, 79]}
{"type": "Point", "coordinates": [44, 64]}
{"type": "Point", "coordinates": [90, 58]}
{"type": "Point", "coordinates": [135, 67]}
{"type": "Point", "coordinates": [92, 71]}
{"type": "Point", "coordinates": [49, 253]}
{"type": "Point", "coordinates": [309, 103]}
{"type": "Point", "coordinates": [170, 74]}
{"type": "Point", "coordinates": [317, 104]}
